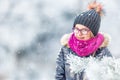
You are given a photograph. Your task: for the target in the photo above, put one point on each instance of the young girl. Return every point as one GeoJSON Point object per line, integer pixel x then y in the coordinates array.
{"type": "Point", "coordinates": [84, 41]}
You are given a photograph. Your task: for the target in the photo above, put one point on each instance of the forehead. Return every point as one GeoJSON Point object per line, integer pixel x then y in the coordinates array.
{"type": "Point", "coordinates": [80, 26]}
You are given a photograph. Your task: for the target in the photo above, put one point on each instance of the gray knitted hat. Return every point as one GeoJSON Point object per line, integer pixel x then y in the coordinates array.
{"type": "Point", "coordinates": [90, 19]}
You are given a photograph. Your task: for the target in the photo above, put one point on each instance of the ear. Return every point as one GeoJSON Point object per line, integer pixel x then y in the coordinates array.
{"type": "Point", "coordinates": [91, 34]}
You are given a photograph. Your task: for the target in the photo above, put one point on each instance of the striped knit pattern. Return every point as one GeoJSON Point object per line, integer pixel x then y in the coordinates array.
{"type": "Point", "coordinates": [90, 19]}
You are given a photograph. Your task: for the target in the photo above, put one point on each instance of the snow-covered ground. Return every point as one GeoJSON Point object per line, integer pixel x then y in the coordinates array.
{"type": "Point", "coordinates": [30, 31]}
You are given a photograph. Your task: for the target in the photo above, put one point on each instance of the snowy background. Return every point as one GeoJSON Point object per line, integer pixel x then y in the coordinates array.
{"type": "Point", "coordinates": [30, 31]}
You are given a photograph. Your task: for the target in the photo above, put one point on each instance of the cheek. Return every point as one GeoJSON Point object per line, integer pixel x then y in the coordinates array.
{"type": "Point", "coordinates": [76, 35]}
{"type": "Point", "coordinates": [88, 36]}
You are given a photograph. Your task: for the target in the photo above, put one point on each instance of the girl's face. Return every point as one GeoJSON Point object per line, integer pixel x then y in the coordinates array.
{"type": "Point", "coordinates": [82, 32]}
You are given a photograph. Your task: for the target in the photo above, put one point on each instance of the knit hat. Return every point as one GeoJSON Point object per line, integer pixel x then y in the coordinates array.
{"type": "Point", "coordinates": [90, 18]}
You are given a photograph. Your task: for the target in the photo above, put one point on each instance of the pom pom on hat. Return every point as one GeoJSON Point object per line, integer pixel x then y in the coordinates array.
{"type": "Point", "coordinates": [97, 6]}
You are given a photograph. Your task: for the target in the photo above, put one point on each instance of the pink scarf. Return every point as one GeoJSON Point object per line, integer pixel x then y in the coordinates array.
{"type": "Point", "coordinates": [85, 47]}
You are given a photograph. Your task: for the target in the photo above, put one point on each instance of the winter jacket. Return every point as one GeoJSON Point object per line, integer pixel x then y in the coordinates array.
{"type": "Point", "coordinates": [63, 67]}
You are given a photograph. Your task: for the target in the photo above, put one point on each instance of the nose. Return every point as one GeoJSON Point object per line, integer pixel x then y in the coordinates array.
{"type": "Point", "coordinates": [79, 34]}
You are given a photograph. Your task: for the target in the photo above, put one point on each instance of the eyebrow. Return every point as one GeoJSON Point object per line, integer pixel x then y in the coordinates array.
{"type": "Point", "coordinates": [82, 28]}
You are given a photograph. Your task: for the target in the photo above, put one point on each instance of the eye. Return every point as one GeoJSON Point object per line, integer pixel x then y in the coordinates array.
{"type": "Point", "coordinates": [76, 31]}
{"type": "Point", "coordinates": [84, 31]}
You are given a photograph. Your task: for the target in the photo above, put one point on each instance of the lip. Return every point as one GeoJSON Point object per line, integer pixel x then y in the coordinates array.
{"type": "Point", "coordinates": [81, 37]}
